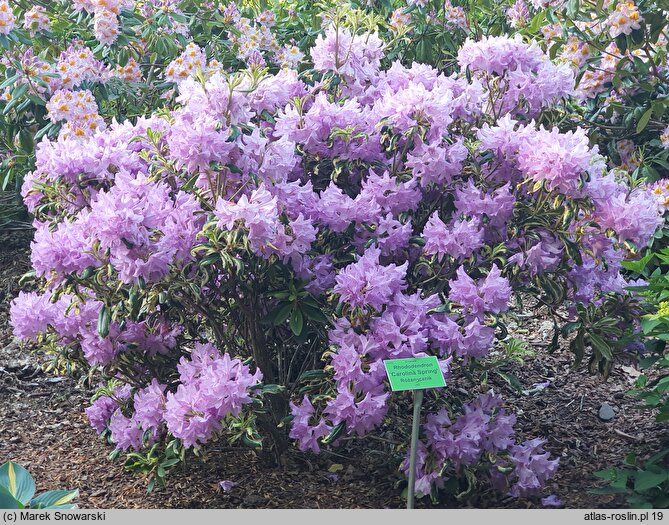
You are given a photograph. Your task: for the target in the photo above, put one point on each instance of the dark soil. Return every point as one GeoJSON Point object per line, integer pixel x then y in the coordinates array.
{"type": "Point", "coordinates": [42, 427]}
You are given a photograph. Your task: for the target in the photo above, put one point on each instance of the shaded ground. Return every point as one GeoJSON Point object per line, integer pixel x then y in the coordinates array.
{"type": "Point", "coordinates": [42, 427]}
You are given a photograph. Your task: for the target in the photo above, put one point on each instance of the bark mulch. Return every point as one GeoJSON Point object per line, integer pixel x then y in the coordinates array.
{"type": "Point", "coordinates": [42, 427]}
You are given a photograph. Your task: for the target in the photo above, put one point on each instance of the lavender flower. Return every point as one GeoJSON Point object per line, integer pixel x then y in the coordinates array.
{"type": "Point", "coordinates": [367, 282]}
{"type": "Point", "coordinates": [491, 294]}
{"type": "Point", "coordinates": [459, 241]}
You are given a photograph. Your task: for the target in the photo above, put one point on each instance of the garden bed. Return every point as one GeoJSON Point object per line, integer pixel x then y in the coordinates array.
{"type": "Point", "coordinates": [44, 429]}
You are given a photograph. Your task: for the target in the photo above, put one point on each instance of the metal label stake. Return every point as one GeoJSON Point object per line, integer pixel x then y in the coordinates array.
{"type": "Point", "coordinates": [417, 374]}
{"type": "Point", "coordinates": [415, 429]}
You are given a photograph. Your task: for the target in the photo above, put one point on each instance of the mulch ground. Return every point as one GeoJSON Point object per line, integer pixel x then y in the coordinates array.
{"type": "Point", "coordinates": [42, 427]}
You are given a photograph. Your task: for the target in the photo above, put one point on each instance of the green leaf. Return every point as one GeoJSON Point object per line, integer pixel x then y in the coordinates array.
{"type": "Point", "coordinates": [10, 80]}
{"type": "Point", "coordinates": [537, 21]}
{"type": "Point", "coordinates": [311, 375]}
{"type": "Point", "coordinates": [169, 462]}
{"type": "Point", "coordinates": [10, 105]}
{"type": "Point", "coordinates": [647, 362]}
{"type": "Point", "coordinates": [643, 121]}
{"type": "Point", "coordinates": [610, 474]}
{"type": "Point", "coordinates": [26, 141]}
{"type": "Point", "coordinates": [17, 481]}
{"type": "Point", "coordinates": [646, 480]}
{"type": "Point", "coordinates": [281, 315]}
{"type": "Point", "coordinates": [607, 490]}
{"type": "Point", "coordinates": [334, 433]}
{"type": "Point", "coordinates": [572, 251]}
{"type": "Point", "coordinates": [657, 457]}
{"type": "Point", "coordinates": [512, 380]}
{"type": "Point", "coordinates": [104, 319]}
{"type": "Point", "coordinates": [630, 459]}
{"type": "Point", "coordinates": [639, 502]}
{"type": "Point", "coordinates": [46, 129]}
{"type": "Point", "coordinates": [123, 57]}
{"type": "Point", "coordinates": [600, 346]}
{"type": "Point", "coordinates": [658, 107]}
{"type": "Point", "coordinates": [661, 502]}
{"type": "Point", "coordinates": [279, 294]}
{"type": "Point", "coordinates": [251, 442]}
{"type": "Point", "coordinates": [638, 266]}
{"type": "Point", "coordinates": [570, 327]}
{"type": "Point", "coordinates": [621, 481]}
{"type": "Point", "coordinates": [7, 501]}
{"type": "Point", "coordinates": [268, 389]}
{"type": "Point", "coordinates": [19, 91]}
{"type": "Point", "coordinates": [314, 314]}
{"type": "Point", "coordinates": [577, 346]}
{"type": "Point", "coordinates": [665, 165]}
{"type": "Point", "coordinates": [553, 51]}
{"type": "Point", "coordinates": [647, 324]}
{"type": "Point", "coordinates": [53, 499]}
{"type": "Point", "coordinates": [297, 321]}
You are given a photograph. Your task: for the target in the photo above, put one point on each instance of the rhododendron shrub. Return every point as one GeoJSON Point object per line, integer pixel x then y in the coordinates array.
{"type": "Point", "coordinates": [248, 255]}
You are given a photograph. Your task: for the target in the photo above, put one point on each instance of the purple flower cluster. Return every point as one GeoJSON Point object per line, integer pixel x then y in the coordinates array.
{"type": "Point", "coordinates": [495, 208]}
{"type": "Point", "coordinates": [107, 413]}
{"type": "Point", "coordinates": [632, 215]}
{"type": "Point", "coordinates": [267, 235]}
{"type": "Point", "coordinates": [459, 241]}
{"type": "Point", "coordinates": [307, 435]}
{"type": "Point", "coordinates": [491, 294]}
{"type": "Point", "coordinates": [556, 159]}
{"type": "Point", "coordinates": [560, 161]}
{"type": "Point", "coordinates": [483, 428]}
{"type": "Point", "coordinates": [355, 57]}
{"type": "Point", "coordinates": [73, 321]}
{"type": "Point", "coordinates": [101, 410]}
{"type": "Point", "coordinates": [212, 387]}
{"type": "Point", "coordinates": [542, 257]}
{"type": "Point", "coordinates": [527, 80]}
{"type": "Point", "coordinates": [367, 282]}
{"type": "Point", "coordinates": [136, 226]}
{"type": "Point", "coordinates": [402, 327]}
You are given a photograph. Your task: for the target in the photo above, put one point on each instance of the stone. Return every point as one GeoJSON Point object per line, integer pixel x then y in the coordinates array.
{"type": "Point", "coordinates": [606, 412]}
{"type": "Point", "coordinates": [546, 326]}
{"type": "Point", "coordinates": [254, 500]}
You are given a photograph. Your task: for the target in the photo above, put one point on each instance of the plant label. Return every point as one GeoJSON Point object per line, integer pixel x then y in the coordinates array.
{"type": "Point", "coordinates": [415, 373]}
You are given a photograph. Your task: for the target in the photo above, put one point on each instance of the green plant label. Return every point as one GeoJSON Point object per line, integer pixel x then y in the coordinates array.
{"type": "Point", "coordinates": [414, 373]}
